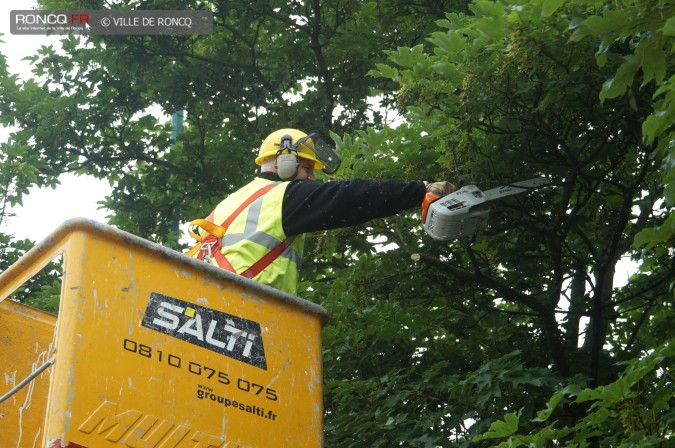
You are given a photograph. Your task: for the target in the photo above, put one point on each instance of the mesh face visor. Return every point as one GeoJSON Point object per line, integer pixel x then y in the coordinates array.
{"type": "Point", "coordinates": [322, 150]}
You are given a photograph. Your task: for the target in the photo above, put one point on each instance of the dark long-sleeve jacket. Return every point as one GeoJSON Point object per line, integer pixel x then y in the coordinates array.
{"type": "Point", "coordinates": [310, 205]}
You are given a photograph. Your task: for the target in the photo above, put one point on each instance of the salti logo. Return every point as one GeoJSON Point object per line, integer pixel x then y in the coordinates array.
{"type": "Point", "coordinates": [232, 336]}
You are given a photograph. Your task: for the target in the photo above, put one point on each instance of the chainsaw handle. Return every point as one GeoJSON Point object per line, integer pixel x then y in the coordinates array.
{"type": "Point", "coordinates": [429, 199]}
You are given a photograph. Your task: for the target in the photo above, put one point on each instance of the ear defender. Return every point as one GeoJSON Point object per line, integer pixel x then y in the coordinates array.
{"type": "Point", "coordinates": [287, 166]}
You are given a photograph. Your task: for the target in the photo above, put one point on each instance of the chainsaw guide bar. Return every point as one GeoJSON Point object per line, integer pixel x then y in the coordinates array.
{"type": "Point", "coordinates": [462, 213]}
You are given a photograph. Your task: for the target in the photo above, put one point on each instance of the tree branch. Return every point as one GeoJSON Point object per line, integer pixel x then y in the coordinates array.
{"type": "Point", "coordinates": [503, 289]}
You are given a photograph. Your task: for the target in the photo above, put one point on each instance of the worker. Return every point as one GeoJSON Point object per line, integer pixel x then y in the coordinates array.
{"type": "Point", "coordinates": [258, 231]}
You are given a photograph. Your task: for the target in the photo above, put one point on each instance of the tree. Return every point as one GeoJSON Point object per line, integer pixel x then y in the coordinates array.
{"type": "Point", "coordinates": [518, 338]}
{"type": "Point", "coordinates": [267, 65]}
{"type": "Point", "coordinates": [505, 94]}
{"type": "Point", "coordinates": [98, 105]}
{"type": "Point", "coordinates": [20, 169]}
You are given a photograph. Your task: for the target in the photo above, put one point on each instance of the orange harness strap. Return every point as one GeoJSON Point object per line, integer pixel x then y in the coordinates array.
{"type": "Point", "coordinates": [257, 267]}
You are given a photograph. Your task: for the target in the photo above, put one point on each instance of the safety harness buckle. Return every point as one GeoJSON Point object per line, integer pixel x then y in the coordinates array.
{"type": "Point", "coordinates": [206, 250]}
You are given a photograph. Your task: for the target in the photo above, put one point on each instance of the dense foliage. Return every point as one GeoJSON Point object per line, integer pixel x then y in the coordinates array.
{"type": "Point", "coordinates": [527, 336]}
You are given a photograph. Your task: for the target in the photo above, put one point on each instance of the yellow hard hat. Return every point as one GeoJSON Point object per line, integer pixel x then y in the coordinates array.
{"type": "Point", "coordinates": [288, 140]}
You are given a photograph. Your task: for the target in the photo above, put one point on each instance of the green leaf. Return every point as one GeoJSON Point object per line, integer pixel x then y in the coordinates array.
{"type": "Point", "coordinates": [597, 417]}
{"type": "Point", "coordinates": [544, 415]}
{"type": "Point", "coordinates": [501, 429]}
{"type": "Point", "coordinates": [406, 56]}
{"type": "Point", "coordinates": [450, 42]}
{"type": "Point", "coordinates": [483, 8]}
{"type": "Point", "coordinates": [654, 63]}
{"type": "Point", "coordinates": [550, 6]}
{"type": "Point", "coordinates": [669, 27]}
{"type": "Point", "coordinates": [623, 78]}
{"type": "Point", "coordinates": [384, 71]}
{"type": "Point", "coordinates": [658, 122]}
{"type": "Point", "coordinates": [597, 25]}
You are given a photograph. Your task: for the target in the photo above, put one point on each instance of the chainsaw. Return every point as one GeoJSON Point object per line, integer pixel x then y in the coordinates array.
{"type": "Point", "coordinates": [460, 214]}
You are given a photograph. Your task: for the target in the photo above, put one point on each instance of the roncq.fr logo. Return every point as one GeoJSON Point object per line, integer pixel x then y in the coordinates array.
{"type": "Point", "coordinates": [232, 336]}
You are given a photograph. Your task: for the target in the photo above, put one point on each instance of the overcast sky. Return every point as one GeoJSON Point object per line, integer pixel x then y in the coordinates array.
{"type": "Point", "coordinates": [77, 196]}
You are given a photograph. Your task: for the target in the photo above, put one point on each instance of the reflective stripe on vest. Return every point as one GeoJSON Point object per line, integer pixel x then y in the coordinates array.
{"type": "Point", "coordinates": [258, 237]}
{"type": "Point", "coordinates": [256, 231]}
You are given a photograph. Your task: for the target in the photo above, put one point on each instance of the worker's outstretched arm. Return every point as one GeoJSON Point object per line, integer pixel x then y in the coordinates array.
{"type": "Point", "coordinates": [312, 205]}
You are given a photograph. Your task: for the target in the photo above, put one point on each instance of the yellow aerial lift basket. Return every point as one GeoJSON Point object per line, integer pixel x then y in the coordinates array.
{"type": "Point", "coordinates": [153, 349]}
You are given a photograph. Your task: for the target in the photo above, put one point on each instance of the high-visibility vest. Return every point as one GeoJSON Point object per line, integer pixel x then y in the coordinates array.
{"type": "Point", "coordinates": [255, 233]}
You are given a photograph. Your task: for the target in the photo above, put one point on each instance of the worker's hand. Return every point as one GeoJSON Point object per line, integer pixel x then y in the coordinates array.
{"type": "Point", "coordinates": [440, 188]}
